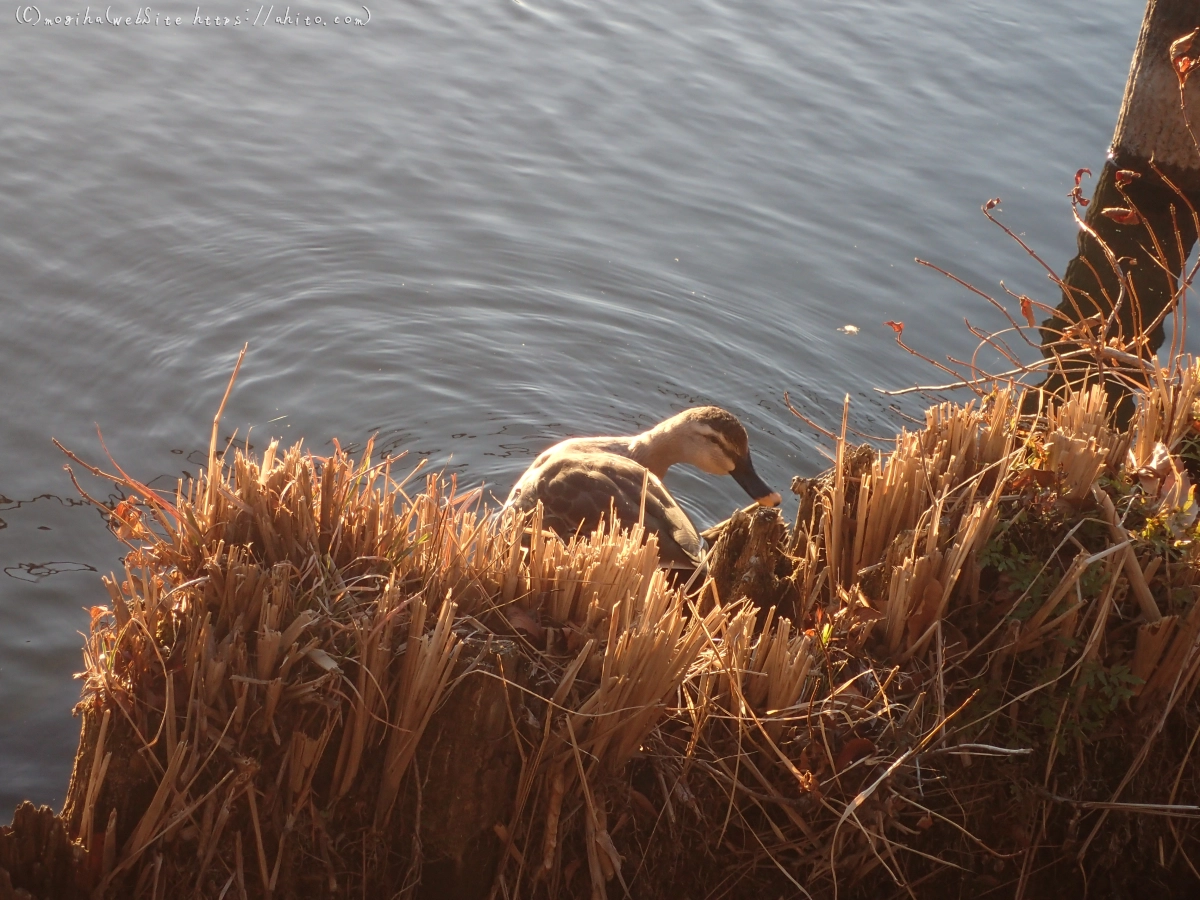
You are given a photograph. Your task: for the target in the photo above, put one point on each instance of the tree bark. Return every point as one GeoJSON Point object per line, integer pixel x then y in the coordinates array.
{"type": "Point", "coordinates": [1152, 132]}
{"type": "Point", "coordinates": [1151, 123]}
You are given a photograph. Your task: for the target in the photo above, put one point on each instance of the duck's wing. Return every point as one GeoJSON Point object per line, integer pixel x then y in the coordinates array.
{"type": "Point", "coordinates": [570, 449]}
{"type": "Point", "coordinates": [578, 489]}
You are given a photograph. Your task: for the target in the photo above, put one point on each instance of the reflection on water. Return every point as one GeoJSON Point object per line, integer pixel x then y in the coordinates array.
{"type": "Point", "coordinates": [35, 572]}
{"type": "Point", "coordinates": [474, 229]}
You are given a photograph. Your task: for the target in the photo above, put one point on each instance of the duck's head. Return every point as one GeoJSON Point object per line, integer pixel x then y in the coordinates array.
{"type": "Point", "coordinates": [713, 441]}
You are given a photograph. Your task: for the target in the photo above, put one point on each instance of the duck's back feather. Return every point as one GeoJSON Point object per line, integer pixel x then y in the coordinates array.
{"type": "Point", "coordinates": [577, 489]}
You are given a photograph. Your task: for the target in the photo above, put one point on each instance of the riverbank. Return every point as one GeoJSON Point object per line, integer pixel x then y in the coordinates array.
{"type": "Point", "coordinates": [969, 665]}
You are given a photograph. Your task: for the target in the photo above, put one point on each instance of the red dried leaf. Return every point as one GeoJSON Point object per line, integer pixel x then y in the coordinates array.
{"type": "Point", "coordinates": [1121, 215]}
{"type": "Point", "coordinates": [991, 204]}
{"type": "Point", "coordinates": [1027, 311]}
{"type": "Point", "coordinates": [125, 520]}
{"type": "Point", "coordinates": [524, 622]}
{"type": "Point", "coordinates": [1124, 176]}
{"type": "Point", "coordinates": [1077, 191]}
{"type": "Point", "coordinates": [852, 751]}
{"type": "Point", "coordinates": [1183, 63]}
{"type": "Point", "coordinates": [897, 327]}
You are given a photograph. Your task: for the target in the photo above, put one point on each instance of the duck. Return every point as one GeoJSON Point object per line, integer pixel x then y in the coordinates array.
{"type": "Point", "coordinates": [579, 480]}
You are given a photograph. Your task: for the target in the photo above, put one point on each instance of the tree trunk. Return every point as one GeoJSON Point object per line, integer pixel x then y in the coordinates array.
{"type": "Point", "coordinates": [1151, 123]}
{"type": "Point", "coordinates": [1152, 132]}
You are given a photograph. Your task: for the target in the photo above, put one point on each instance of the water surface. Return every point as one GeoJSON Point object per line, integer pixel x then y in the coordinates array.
{"type": "Point", "coordinates": [475, 227]}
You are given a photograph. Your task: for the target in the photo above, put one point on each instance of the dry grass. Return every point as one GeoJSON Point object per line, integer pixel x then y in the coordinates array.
{"type": "Point", "coordinates": [281, 637]}
{"type": "Point", "coordinates": [976, 613]}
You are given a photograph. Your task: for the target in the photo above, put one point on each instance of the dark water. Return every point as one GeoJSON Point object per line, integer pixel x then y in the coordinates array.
{"type": "Point", "coordinates": [475, 227]}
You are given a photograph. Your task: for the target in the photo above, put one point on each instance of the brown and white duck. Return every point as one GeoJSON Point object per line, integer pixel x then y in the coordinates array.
{"type": "Point", "coordinates": [580, 479]}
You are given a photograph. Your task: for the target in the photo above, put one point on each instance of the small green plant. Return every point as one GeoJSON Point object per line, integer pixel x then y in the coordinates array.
{"type": "Point", "coordinates": [1106, 690]}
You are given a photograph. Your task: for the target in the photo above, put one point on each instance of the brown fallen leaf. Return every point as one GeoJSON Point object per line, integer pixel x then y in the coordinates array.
{"type": "Point", "coordinates": [1182, 62]}
{"type": "Point", "coordinates": [1121, 215]}
{"type": "Point", "coordinates": [1125, 176]}
{"type": "Point", "coordinates": [1077, 191]}
{"type": "Point", "coordinates": [1027, 311]}
{"type": "Point", "coordinates": [852, 751]}
{"type": "Point", "coordinates": [523, 621]}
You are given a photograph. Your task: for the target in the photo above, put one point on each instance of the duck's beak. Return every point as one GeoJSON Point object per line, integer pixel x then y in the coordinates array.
{"type": "Point", "coordinates": [743, 473]}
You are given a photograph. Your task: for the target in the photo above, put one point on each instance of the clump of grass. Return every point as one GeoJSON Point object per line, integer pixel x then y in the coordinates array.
{"type": "Point", "coordinates": [280, 640]}
{"type": "Point", "coordinates": [974, 615]}
{"type": "Point", "coordinates": [1049, 584]}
